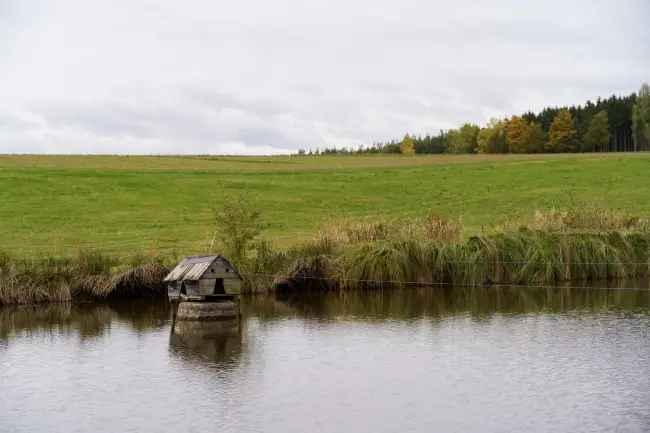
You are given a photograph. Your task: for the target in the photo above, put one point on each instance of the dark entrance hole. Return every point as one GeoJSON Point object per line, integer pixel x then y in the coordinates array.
{"type": "Point", "coordinates": [218, 287]}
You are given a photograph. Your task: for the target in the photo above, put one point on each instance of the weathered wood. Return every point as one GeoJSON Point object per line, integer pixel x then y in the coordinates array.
{"type": "Point", "coordinates": [202, 276]}
{"type": "Point", "coordinates": [232, 286]}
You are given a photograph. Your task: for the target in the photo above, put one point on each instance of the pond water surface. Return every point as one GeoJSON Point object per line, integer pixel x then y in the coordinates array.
{"type": "Point", "coordinates": [420, 360]}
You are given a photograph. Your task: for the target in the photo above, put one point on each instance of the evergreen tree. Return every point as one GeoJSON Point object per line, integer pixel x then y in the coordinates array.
{"type": "Point", "coordinates": [562, 133]}
{"type": "Point", "coordinates": [596, 139]}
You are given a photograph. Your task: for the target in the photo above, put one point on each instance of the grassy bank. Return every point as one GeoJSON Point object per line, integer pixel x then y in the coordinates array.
{"type": "Point", "coordinates": [551, 247]}
{"type": "Point", "coordinates": [56, 205]}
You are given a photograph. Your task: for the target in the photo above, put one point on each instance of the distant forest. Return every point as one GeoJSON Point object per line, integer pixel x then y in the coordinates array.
{"type": "Point", "coordinates": [615, 124]}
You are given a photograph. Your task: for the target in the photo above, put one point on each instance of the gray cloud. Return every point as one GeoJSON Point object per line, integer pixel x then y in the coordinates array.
{"type": "Point", "coordinates": [265, 77]}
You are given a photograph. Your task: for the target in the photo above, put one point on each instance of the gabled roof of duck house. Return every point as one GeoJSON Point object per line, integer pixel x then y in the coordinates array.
{"type": "Point", "coordinates": [192, 268]}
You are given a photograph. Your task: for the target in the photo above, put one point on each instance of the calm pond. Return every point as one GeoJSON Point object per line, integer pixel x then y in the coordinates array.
{"type": "Point", "coordinates": [420, 360]}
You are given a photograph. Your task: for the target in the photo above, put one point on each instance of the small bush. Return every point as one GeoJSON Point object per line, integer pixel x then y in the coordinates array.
{"type": "Point", "coordinates": [238, 223]}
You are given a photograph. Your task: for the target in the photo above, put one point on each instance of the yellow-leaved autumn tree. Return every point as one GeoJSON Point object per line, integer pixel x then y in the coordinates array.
{"type": "Point", "coordinates": [516, 134]}
{"type": "Point", "coordinates": [562, 135]}
{"type": "Point", "coordinates": [535, 138]}
{"type": "Point", "coordinates": [523, 136]}
{"type": "Point", "coordinates": [492, 138]}
{"type": "Point", "coordinates": [407, 146]}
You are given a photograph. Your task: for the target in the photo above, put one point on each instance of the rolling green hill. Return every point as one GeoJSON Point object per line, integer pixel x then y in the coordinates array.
{"type": "Point", "coordinates": [136, 204]}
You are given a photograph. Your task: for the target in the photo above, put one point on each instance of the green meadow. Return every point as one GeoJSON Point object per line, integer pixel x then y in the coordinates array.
{"type": "Point", "coordinates": [138, 205]}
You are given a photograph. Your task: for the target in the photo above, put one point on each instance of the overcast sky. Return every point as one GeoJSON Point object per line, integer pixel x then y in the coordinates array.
{"type": "Point", "coordinates": [272, 76]}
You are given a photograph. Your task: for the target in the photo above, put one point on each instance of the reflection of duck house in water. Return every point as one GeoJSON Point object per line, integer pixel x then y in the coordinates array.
{"type": "Point", "coordinates": [203, 278]}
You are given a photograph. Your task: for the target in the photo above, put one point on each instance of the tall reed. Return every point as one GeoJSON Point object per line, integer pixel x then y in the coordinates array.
{"type": "Point", "coordinates": [558, 246]}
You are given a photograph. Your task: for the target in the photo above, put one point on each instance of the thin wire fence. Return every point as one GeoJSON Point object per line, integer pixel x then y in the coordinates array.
{"type": "Point", "coordinates": [144, 250]}
{"type": "Point", "coordinates": [442, 284]}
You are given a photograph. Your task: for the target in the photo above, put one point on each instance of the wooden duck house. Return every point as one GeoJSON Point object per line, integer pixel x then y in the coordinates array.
{"type": "Point", "coordinates": [203, 278]}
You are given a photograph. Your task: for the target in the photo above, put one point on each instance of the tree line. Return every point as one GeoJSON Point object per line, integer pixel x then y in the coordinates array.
{"type": "Point", "coordinates": [615, 124]}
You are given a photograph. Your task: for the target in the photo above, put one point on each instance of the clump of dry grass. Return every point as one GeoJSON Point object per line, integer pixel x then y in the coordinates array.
{"type": "Point", "coordinates": [432, 227]}
{"type": "Point", "coordinates": [353, 231]}
{"type": "Point", "coordinates": [145, 280]}
{"type": "Point", "coordinates": [19, 289]}
{"type": "Point", "coordinates": [319, 272]}
{"type": "Point", "coordinates": [381, 264]}
{"type": "Point", "coordinates": [437, 228]}
{"type": "Point", "coordinates": [588, 218]}
{"type": "Point", "coordinates": [271, 268]}
{"type": "Point", "coordinates": [89, 276]}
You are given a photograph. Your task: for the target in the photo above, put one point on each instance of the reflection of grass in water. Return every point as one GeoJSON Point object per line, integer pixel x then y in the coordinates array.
{"type": "Point", "coordinates": [219, 343]}
{"type": "Point", "coordinates": [142, 315]}
{"type": "Point", "coordinates": [413, 303]}
{"type": "Point", "coordinates": [88, 320]}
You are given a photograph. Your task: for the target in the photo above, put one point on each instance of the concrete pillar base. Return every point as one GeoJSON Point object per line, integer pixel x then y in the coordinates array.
{"type": "Point", "coordinates": [207, 311]}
